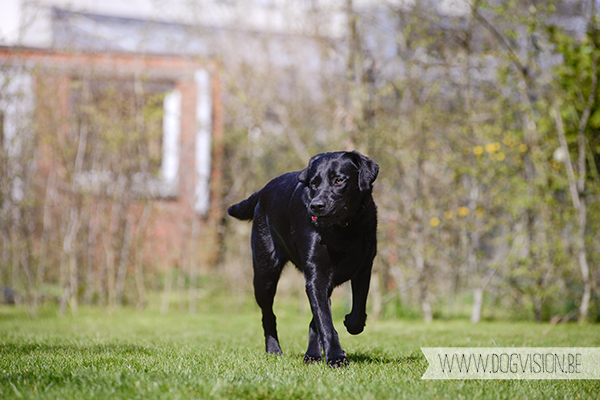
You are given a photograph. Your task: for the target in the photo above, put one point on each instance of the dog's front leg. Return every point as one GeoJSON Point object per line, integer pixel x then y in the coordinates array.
{"type": "Point", "coordinates": [318, 289]}
{"type": "Point", "coordinates": [355, 321]}
{"type": "Point", "coordinates": [313, 354]}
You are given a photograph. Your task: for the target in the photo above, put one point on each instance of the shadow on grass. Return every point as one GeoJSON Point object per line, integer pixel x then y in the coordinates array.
{"type": "Point", "coordinates": [373, 358]}
{"type": "Point", "coordinates": [381, 359]}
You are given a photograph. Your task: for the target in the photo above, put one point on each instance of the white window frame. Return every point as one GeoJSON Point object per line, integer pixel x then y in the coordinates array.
{"type": "Point", "coordinates": [203, 138]}
{"type": "Point", "coordinates": [171, 148]}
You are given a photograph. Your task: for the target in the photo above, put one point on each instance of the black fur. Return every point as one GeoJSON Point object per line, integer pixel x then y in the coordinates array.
{"type": "Point", "coordinates": [322, 219]}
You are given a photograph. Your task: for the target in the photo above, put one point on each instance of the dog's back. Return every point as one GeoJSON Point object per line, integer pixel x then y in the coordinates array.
{"type": "Point", "coordinates": [276, 191]}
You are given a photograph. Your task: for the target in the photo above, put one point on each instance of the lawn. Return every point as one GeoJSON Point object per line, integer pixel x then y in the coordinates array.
{"type": "Point", "coordinates": [148, 355]}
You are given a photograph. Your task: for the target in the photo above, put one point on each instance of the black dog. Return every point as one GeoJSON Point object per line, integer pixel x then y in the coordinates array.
{"type": "Point", "coordinates": [322, 219]}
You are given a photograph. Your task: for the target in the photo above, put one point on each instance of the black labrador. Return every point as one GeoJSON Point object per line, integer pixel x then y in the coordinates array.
{"type": "Point", "coordinates": [322, 219]}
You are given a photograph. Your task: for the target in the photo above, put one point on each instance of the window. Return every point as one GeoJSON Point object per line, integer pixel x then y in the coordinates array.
{"type": "Point", "coordinates": [126, 129]}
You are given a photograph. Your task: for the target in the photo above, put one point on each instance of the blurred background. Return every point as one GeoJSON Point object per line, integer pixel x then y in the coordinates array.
{"type": "Point", "coordinates": [128, 128]}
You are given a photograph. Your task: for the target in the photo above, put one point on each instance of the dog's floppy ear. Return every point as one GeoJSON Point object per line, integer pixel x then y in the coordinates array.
{"type": "Point", "coordinates": [303, 176]}
{"type": "Point", "coordinates": [367, 170]}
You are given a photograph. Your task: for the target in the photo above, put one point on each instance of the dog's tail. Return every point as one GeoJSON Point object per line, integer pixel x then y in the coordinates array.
{"type": "Point", "coordinates": [244, 210]}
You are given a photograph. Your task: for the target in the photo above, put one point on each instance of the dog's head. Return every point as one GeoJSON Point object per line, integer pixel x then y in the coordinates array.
{"type": "Point", "coordinates": [337, 185]}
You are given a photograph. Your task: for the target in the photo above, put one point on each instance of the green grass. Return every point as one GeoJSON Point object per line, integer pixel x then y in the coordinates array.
{"type": "Point", "coordinates": [177, 356]}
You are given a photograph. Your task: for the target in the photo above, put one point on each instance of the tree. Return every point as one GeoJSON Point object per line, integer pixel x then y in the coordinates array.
{"type": "Point", "coordinates": [577, 81]}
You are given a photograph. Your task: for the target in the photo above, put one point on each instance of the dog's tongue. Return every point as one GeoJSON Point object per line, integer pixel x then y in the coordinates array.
{"type": "Point", "coordinates": [314, 218]}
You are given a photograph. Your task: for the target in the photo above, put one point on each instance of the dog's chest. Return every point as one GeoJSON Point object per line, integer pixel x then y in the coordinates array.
{"type": "Point", "coordinates": [346, 256]}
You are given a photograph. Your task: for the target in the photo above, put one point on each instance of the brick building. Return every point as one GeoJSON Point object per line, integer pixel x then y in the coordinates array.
{"type": "Point", "coordinates": [87, 114]}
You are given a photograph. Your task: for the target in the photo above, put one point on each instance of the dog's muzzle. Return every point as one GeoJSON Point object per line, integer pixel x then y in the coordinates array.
{"type": "Point", "coordinates": [317, 207]}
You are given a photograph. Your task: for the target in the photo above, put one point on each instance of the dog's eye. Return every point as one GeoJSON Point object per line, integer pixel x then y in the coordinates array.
{"type": "Point", "coordinates": [339, 181]}
{"type": "Point", "coordinates": [313, 184]}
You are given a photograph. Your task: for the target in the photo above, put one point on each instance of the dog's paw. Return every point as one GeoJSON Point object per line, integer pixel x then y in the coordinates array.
{"type": "Point", "coordinates": [354, 326]}
{"type": "Point", "coordinates": [338, 362]}
{"type": "Point", "coordinates": [311, 359]}
{"type": "Point", "coordinates": [272, 346]}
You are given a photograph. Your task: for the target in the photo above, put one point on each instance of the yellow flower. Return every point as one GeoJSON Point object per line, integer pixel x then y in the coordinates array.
{"type": "Point", "coordinates": [523, 147]}
{"type": "Point", "coordinates": [500, 156]}
{"type": "Point", "coordinates": [448, 214]}
{"type": "Point", "coordinates": [463, 211]}
{"type": "Point", "coordinates": [435, 221]}
{"type": "Point", "coordinates": [431, 144]}
{"type": "Point", "coordinates": [478, 150]}
{"type": "Point", "coordinates": [492, 147]}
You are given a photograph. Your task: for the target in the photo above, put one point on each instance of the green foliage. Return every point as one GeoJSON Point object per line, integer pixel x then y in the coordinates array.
{"type": "Point", "coordinates": [577, 82]}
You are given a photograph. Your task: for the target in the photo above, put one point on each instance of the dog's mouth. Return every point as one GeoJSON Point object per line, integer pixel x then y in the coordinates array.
{"type": "Point", "coordinates": [328, 219]}
{"type": "Point", "coordinates": [323, 220]}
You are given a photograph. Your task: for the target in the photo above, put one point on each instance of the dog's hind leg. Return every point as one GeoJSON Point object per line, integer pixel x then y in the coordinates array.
{"type": "Point", "coordinates": [267, 270]}
{"type": "Point", "coordinates": [264, 298]}
{"type": "Point", "coordinates": [264, 292]}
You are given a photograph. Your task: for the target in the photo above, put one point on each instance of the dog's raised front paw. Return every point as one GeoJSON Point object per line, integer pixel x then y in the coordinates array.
{"type": "Point", "coordinates": [353, 325]}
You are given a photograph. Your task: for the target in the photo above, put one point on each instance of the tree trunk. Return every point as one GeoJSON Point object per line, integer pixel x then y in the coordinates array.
{"type": "Point", "coordinates": [123, 262]}
{"type": "Point", "coordinates": [477, 305]}
{"type": "Point", "coordinates": [583, 264]}
{"type": "Point", "coordinates": [478, 296]}
{"type": "Point", "coordinates": [168, 289]}
{"type": "Point", "coordinates": [377, 302]}
{"type": "Point", "coordinates": [193, 289]}
{"type": "Point", "coordinates": [576, 187]}
{"type": "Point", "coordinates": [139, 270]}
{"type": "Point", "coordinates": [69, 276]}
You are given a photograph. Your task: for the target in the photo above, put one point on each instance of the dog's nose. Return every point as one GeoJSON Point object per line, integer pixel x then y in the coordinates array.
{"type": "Point", "coordinates": [317, 206]}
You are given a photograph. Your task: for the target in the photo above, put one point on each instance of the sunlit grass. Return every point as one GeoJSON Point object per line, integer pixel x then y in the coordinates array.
{"type": "Point", "coordinates": [220, 355]}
